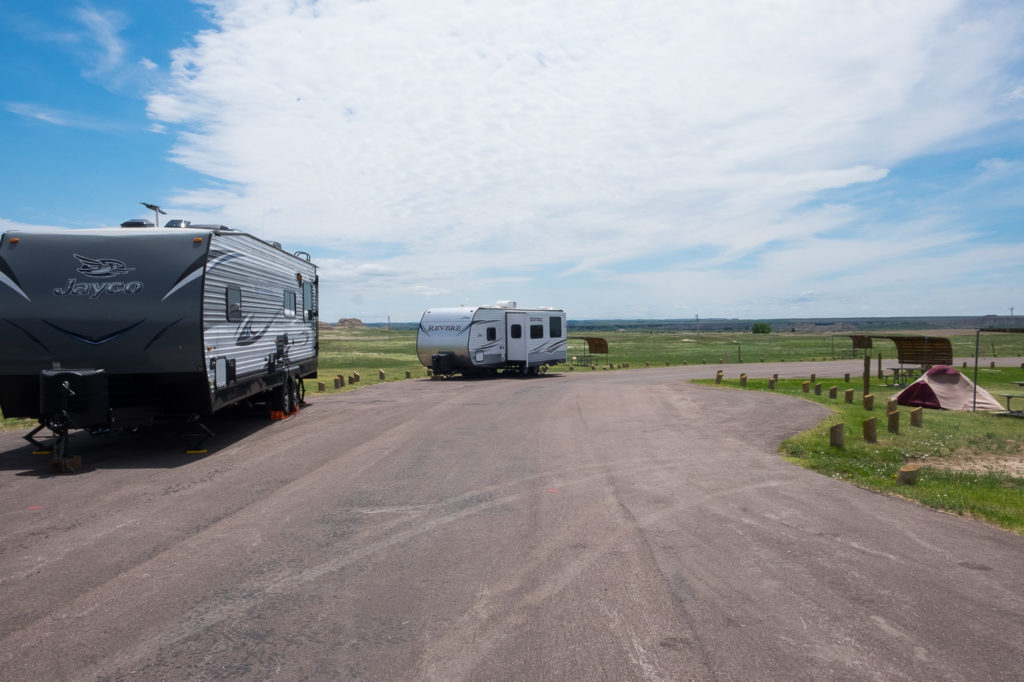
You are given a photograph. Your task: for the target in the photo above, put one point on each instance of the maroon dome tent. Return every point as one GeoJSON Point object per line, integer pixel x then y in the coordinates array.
{"type": "Point", "coordinates": [944, 388]}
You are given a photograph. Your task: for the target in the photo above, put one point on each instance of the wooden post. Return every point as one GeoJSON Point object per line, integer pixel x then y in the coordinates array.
{"type": "Point", "coordinates": [355, 377]}
{"type": "Point", "coordinates": [321, 387]}
{"type": "Point", "coordinates": [813, 377]}
{"type": "Point", "coordinates": [869, 402]}
{"type": "Point", "coordinates": [907, 474]}
{"type": "Point", "coordinates": [849, 396]}
{"type": "Point", "coordinates": [846, 377]}
{"type": "Point", "coordinates": [833, 391]}
{"type": "Point", "coordinates": [743, 380]}
{"type": "Point", "coordinates": [867, 375]}
{"type": "Point", "coordinates": [776, 376]}
{"type": "Point", "coordinates": [881, 375]}
{"type": "Point", "coordinates": [338, 382]}
{"type": "Point", "coordinates": [718, 377]}
{"type": "Point", "coordinates": [771, 384]}
{"type": "Point", "coordinates": [381, 375]}
{"type": "Point", "coordinates": [894, 421]}
{"type": "Point", "coordinates": [817, 389]}
{"type": "Point", "coordinates": [917, 416]}
{"type": "Point", "coordinates": [806, 386]}
{"type": "Point", "coordinates": [408, 374]}
{"type": "Point", "coordinates": [891, 405]}
{"type": "Point", "coordinates": [871, 430]}
{"type": "Point", "coordinates": [836, 434]}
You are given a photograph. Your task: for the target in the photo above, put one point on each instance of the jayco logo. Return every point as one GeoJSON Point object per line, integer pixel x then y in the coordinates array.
{"type": "Point", "coordinates": [102, 268]}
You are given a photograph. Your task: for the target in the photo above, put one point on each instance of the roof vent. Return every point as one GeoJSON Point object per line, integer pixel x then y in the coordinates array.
{"type": "Point", "coordinates": [137, 222]}
{"type": "Point", "coordinates": [177, 222]}
{"type": "Point", "coordinates": [506, 304]}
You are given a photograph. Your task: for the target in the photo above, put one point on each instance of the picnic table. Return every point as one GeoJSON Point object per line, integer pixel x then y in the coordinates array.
{"type": "Point", "coordinates": [1010, 396]}
{"type": "Point", "coordinates": [901, 376]}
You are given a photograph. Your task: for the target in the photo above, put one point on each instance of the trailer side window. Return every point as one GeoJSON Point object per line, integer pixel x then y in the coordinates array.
{"type": "Point", "coordinates": [289, 304]}
{"type": "Point", "coordinates": [556, 327]}
{"type": "Point", "coordinates": [492, 333]}
{"type": "Point", "coordinates": [516, 331]}
{"type": "Point", "coordinates": [307, 300]}
{"type": "Point", "coordinates": [234, 304]}
{"type": "Point", "coordinates": [536, 331]}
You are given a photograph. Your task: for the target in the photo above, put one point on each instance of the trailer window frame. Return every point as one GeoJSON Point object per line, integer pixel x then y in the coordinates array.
{"type": "Point", "coordinates": [233, 304]}
{"type": "Point", "coordinates": [555, 327]}
{"type": "Point", "coordinates": [536, 331]}
{"type": "Point", "coordinates": [515, 331]}
{"type": "Point", "coordinates": [307, 300]}
{"type": "Point", "coordinates": [492, 333]}
{"type": "Point", "coordinates": [290, 303]}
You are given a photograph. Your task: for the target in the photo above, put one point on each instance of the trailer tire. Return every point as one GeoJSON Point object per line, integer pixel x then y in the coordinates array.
{"type": "Point", "coordinates": [282, 397]}
{"type": "Point", "coordinates": [291, 396]}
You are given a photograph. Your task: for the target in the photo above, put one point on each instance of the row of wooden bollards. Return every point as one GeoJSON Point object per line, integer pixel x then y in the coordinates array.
{"type": "Point", "coordinates": [837, 432]}
{"type": "Point", "coordinates": [339, 380]}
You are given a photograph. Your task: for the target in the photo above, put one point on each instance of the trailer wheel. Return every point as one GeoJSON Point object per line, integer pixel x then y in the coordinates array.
{"type": "Point", "coordinates": [291, 396]}
{"type": "Point", "coordinates": [279, 398]}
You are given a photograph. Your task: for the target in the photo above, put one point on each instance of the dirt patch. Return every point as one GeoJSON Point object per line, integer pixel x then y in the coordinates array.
{"type": "Point", "coordinates": [972, 461]}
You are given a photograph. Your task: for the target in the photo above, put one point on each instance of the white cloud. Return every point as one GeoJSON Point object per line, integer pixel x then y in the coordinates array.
{"type": "Point", "coordinates": [102, 28]}
{"type": "Point", "coordinates": [58, 117]}
{"type": "Point", "coordinates": [559, 139]}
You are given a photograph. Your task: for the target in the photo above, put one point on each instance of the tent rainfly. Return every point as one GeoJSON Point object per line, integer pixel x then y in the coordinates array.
{"type": "Point", "coordinates": [944, 388]}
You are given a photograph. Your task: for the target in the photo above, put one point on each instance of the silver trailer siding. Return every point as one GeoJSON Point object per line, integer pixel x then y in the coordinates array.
{"type": "Point", "coordinates": [144, 317]}
{"type": "Point", "coordinates": [270, 324]}
{"type": "Point", "coordinates": [488, 338]}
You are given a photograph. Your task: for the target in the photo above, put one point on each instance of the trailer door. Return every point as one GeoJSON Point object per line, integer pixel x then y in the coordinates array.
{"type": "Point", "coordinates": [516, 330]}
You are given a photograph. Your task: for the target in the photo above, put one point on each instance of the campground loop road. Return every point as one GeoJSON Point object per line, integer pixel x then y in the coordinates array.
{"type": "Point", "coordinates": [621, 525]}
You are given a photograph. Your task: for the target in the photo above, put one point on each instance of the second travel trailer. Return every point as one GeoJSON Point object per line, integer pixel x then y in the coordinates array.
{"type": "Point", "coordinates": [485, 339]}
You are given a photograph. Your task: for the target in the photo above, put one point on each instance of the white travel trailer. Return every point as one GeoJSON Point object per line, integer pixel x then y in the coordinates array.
{"type": "Point", "coordinates": [485, 339]}
{"type": "Point", "coordinates": [118, 326]}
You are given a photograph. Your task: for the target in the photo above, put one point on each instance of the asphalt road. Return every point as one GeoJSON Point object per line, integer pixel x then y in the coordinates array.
{"type": "Point", "coordinates": [618, 525]}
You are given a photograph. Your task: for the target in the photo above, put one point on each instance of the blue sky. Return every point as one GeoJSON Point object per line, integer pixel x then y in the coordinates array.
{"type": "Point", "coordinates": [617, 158]}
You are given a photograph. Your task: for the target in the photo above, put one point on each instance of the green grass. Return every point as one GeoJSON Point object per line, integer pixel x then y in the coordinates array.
{"type": "Point", "coordinates": [959, 450]}
{"type": "Point", "coordinates": [658, 347]}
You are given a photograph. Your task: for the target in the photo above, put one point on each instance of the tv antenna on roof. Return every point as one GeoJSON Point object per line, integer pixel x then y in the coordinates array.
{"type": "Point", "coordinates": [156, 211]}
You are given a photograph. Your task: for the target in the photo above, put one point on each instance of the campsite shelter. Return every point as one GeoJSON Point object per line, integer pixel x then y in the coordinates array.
{"type": "Point", "coordinates": [911, 350]}
{"type": "Point", "coordinates": [944, 388]}
{"type": "Point", "coordinates": [594, 345]}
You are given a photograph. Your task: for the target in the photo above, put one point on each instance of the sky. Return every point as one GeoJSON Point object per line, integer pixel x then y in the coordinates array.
{"type": "Point", "coordinates": [613, 158]}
